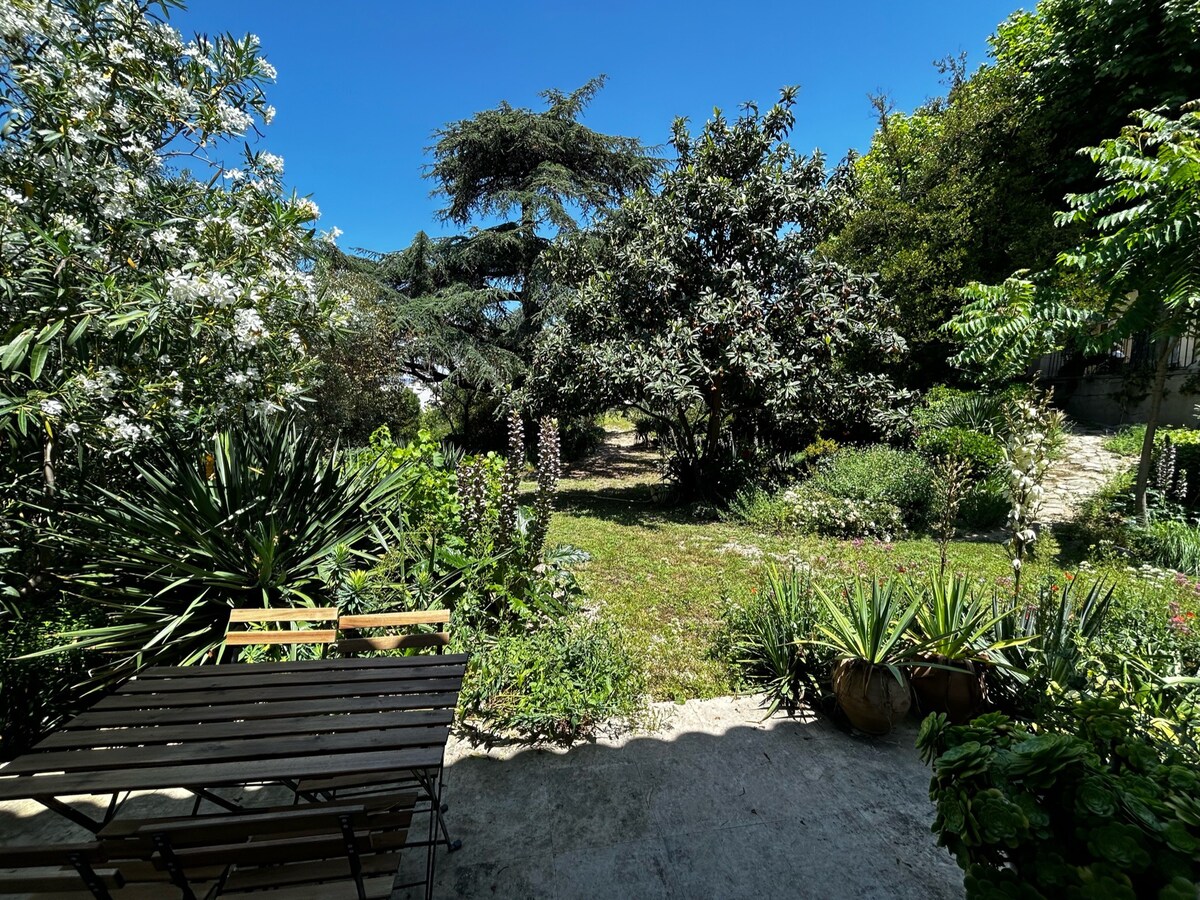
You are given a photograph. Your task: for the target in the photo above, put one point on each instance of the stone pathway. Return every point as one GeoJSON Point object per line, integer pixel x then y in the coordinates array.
{"type": "Point", "coordinates": [1083, 468]}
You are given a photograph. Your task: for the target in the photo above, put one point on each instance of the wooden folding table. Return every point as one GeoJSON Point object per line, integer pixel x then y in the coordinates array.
{"type": "Point", "coordinates": [206, 727]}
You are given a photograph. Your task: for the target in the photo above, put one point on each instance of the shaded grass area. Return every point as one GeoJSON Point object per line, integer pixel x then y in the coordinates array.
{"type": "Point", "coordinates": [666, 575]}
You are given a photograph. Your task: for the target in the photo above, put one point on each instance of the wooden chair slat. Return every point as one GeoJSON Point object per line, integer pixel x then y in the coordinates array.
{"type": "Point", "coordinates": [330, 664]}
{"type": "Point", "coordinates": [332, 688]}
{"type": "Point", "coordinates": [240, 880]}
{"type": "Point", "coordinates": [377, 888]}
{"type": "Point", "coordinates": [35, 855]}
{"type": "Point", "coordinates": [44, 880]}
{"type": "Point", "coordinates": [229, 750]}
{"type": "Point", "coordinates": [389, 620]}
{"type": "Point", "coordinates": [210, 775]}
{"type": "Point", "coordinates": [298, 636]}
{"type": "Point", "coordinates": [290, 614]}
{"type": "Point", "coordinates": [215, 731]}
{"type": "Point", "coordinates": [392, 642]}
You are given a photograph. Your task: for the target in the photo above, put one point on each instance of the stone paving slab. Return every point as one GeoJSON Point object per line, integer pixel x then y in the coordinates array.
{"type": "Point", "coordinates": [712, 803]}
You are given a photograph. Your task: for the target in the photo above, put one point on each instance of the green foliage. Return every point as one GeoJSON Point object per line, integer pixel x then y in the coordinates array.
{"type": "Point", "coordinates": [700, 305]}
{"type": "Point", "coordinates": [879, 475]}
{"type": "Point", "coordinates": [1141, 235]}
{"type": "Point", "coordinates": [956, 622]}
{"type": "Point", "coordinates": [808, 509]}
{"type": "Point", "coordinates": [1168, 543]}
{"type": "Point", "coordinates": [361, 376]}
{"type": "Point", "coordinates": [769, 638]}
{"type": "Point", "coordinates": [1050, 639]}
{"type": "Point", "coordinates": [561, 682]}
{"type": "Point", "coordinates": [963, 189]}
{"type": "Point", "coordinates": [1090, 806]}
{"type": "Point", "coordinates": [870, 622]}
{"type": "Point", "coordinates": [41, 692]}
{"type": "Point", "coordinates": [762, 510]}
{"type": "Point", "coordinates": [250, 524]}
{"type": "Point", "coordinates": [469, 305]}
{"type": "Point", "coordinates": [982, 452]}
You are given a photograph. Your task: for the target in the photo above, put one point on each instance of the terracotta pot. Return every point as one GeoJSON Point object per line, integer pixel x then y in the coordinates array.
{"type": "Point", "coordinates": [870, 696]}
{"type": "Point", "coordinates": [958, 694]}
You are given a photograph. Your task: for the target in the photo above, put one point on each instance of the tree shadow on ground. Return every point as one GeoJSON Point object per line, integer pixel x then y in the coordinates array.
{"type": "Point", "coordinates": [637, 505]}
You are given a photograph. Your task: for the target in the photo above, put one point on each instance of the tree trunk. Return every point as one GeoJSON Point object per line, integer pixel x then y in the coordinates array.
{"type": "Point", "coordinates": [1156, 398]}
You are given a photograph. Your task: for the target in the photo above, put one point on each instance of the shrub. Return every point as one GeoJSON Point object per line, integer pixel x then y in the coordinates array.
{"type": "Point", "coordinates": [817, 511]}
{"type": "Point", "coordinates": [250, 524]}
{"type": "Point", "coordinates": [985, 505]}
{"type": "Point", "coordinates": [761, 510]}
{"type": "Point", "coordinates": [765, 635]}
{"type": "Point", "coordinates": [880, 477]}
{"type": "Point", "coordinates": [1089, 806]}
{"type": "Point", "coordinates": [982, 452]}
{"type": "Point", "coordinates": [1168, 543]}
{"type": "Point", "coordinates": [561, 682]}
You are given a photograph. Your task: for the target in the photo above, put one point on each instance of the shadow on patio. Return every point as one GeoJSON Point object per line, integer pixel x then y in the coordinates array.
{"type": "Point", "coordinates": [717, 804]}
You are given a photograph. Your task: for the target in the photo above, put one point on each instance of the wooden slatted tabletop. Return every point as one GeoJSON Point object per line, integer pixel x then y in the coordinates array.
{"type": "Point", "coordinates": [219, 726]}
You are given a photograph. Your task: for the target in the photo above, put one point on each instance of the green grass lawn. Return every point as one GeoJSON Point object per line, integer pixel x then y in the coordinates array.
{"type": "Point", "coordinates": [666, 576]}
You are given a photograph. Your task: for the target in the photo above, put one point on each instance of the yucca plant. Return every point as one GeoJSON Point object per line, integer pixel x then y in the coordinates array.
{"type": "Point", "coordinates": [1056, 629]}
{"type": "Point", "coordinates": [250, 523]}
{"type": "Point", "coordinates": [771, 635]}
{"type": "Point", "coordinates": [957, 624]}
{"type": "Point", "coordinates": [871, 624]}
{"type": "Point", "coordinates": [961, 644]}
{"type": "Point", "coordinates": [870, 631]}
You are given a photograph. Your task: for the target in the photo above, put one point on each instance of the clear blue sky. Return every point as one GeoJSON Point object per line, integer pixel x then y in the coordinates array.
{"type": "Point", "coordinates": [364, 83]}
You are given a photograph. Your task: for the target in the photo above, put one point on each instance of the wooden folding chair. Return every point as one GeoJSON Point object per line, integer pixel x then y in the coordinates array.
{"type": "Point", "coordinates": [353, 641]}
{"type": "Point", "coordinates": [290, 636]}
{"type": "Point", "coordinates": [62, 870]}
{"type": "Point", "coordinates": [326, 851]}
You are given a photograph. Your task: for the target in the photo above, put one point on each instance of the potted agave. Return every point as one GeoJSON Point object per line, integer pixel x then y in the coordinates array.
{"type": "Point", "coordinates": [957, 633]}
{"type": "Point", "coordinates": [869, 631]}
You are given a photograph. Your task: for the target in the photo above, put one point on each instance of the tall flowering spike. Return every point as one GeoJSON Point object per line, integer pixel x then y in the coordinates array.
{"type": "Point", "coordinates": [510, 481]}
{"type": "Point", "coordinates": [471, 477]}
{"type": "Point", "coordinates": [549, 470]}
{"type": "Point", "coordinates": [1031, 421]}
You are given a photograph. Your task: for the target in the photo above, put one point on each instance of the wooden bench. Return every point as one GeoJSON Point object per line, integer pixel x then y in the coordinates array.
{"type": "Point", "coordinates": [64, 870]}
{"type": "Point", "coordinates": [353, 641]}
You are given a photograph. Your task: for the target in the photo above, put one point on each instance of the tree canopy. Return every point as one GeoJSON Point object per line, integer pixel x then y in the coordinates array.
{"type": "Point", "coordinates": [701, 305]}
{"type": "Point", "coordinates": [965, 188]}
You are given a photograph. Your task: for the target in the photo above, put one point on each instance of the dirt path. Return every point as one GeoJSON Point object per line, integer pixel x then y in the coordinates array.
{"type": "Point", "coordinates": [617, 463]}
{"type": "Point", "coordinates": [1083, 469]}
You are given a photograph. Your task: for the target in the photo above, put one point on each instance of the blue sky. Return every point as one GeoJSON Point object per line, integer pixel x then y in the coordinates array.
{"type": "Point", "coordinates": [364, 83]}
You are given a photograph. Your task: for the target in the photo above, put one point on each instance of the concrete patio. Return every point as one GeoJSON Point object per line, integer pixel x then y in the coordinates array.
{"type": "Point", "coordinates": [713, 803]}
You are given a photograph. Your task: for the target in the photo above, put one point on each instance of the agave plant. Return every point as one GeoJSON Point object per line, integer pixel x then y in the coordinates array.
{"type": "Point", "coordinates": [251, 523]}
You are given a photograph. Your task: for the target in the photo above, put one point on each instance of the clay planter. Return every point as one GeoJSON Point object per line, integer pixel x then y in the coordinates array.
{"type": "Point", "coordinates": [870, 696]}
{"type": "Point", "coordinates": [959, 694]}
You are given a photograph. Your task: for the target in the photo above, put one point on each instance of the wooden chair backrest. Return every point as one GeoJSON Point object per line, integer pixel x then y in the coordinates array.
{"type": "Point", "coordinates": [326, 615]}
{"type": "Point", "coordinates": [64, 870]}
{"type": "Point", "coordinates": [353, 641]}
